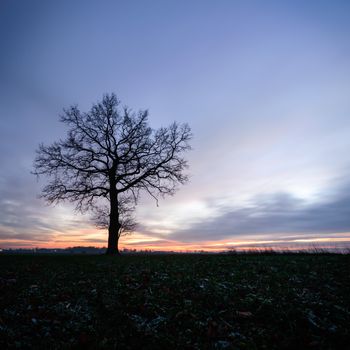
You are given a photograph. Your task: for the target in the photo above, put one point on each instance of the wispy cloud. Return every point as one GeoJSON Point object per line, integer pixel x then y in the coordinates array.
{"type": "Point", "coordinates": [278, 214]}
{"type": "Point", "coordinates": [26, 219]}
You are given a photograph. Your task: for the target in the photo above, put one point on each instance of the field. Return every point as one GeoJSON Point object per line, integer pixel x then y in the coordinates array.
{"type": "Point", "coordinates": [251, 301]}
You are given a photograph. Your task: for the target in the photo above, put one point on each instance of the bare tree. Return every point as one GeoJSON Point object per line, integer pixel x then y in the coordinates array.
{"type": "Point", "coordinates": [111, 155]}
{"type": "Point", "coordinates": [127, 220]}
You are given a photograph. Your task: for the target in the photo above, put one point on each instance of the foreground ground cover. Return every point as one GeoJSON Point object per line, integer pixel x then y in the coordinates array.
{"type": "Point", "coordinates": [175, 301]}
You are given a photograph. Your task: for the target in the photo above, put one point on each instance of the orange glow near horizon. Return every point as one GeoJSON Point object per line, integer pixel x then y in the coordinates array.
{"type": "Point", "coordinates": [138, 241]}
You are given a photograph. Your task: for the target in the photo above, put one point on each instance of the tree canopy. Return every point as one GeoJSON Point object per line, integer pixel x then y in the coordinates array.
{"type": "Point", "coordinates": [109, 156]}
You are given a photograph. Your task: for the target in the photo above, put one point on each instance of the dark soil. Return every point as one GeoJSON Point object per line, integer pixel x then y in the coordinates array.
{"type": "Point", "coordinates": [290, 301]}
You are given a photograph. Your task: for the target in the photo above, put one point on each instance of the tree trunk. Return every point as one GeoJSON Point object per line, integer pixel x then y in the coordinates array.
{"type": "Point", "coordinates": [114, 224]}
{"type": "Point", "coordinates": [113, 238]}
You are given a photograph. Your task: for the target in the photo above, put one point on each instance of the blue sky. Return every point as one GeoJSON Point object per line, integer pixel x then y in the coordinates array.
{"type": "Point", "coordinates": [264, 85]}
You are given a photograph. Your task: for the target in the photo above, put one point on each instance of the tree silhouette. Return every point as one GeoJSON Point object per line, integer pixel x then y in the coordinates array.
{"type": "Point", "coordinates": [111, 155]}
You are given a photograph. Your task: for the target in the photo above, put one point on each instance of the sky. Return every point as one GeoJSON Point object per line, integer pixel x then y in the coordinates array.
{"type": "Point", "coordinates": [264, 85]}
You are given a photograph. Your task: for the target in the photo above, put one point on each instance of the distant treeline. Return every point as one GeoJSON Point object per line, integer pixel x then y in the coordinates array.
{"type": "Point", "coordinates": [101, 251]}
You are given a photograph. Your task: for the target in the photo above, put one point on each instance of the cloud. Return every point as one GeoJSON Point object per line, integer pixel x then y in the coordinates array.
{"type": "Point", "coordinates": [25, 218]}
{"type": "Point", "coordinates": [278, 214]}
{"type": "Point", "coordinates": [274, 217]}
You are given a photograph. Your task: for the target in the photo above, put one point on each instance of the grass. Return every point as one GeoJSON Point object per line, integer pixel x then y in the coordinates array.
{"type": "Point", "coordinates": [251, 301]}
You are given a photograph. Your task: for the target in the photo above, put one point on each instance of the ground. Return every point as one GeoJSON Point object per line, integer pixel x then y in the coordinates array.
{"type": "Point", "coordinates": [175, 301]}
